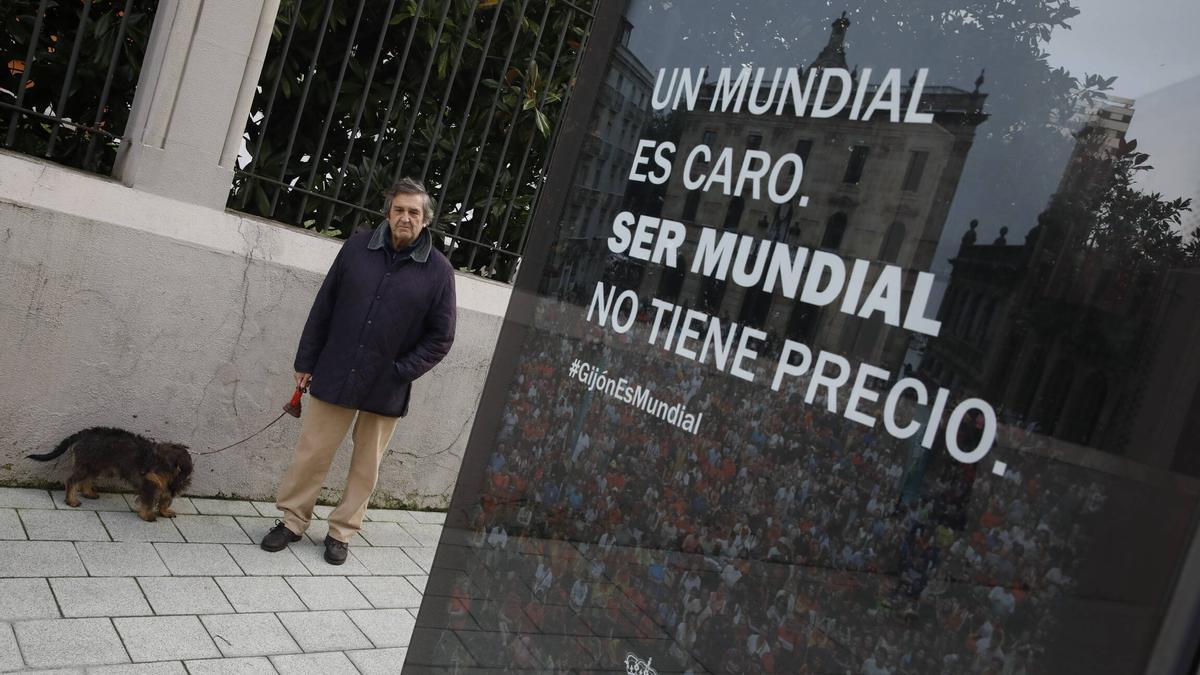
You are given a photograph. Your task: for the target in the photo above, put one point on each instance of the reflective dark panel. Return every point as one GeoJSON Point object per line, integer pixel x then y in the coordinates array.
{"type": "Point", "coordinates": [864, 342]}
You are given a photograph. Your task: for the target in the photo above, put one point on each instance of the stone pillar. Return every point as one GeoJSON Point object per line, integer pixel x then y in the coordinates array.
{"type": "Point", "coordinates": [193, 98]}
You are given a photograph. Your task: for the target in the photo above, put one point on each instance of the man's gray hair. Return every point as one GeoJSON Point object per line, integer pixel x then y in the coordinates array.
{"type": "Point", "coordinates": [408, 186]}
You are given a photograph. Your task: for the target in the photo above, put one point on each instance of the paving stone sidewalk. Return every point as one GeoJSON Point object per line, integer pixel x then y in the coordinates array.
{"type": "Point", "coordinates": [95, 589]}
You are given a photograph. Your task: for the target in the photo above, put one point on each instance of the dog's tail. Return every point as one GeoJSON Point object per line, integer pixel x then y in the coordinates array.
{"type": "Point", "coordinates": [62, 448]}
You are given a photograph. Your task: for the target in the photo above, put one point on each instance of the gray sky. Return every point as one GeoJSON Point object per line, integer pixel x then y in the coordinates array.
{"type": "Point", "coordinates": [1153, 51]}
{"type": "Point", "coordinates": [1148, 45]}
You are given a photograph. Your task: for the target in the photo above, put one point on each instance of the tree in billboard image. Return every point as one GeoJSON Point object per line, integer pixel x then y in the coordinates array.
{"type": "Point", "coordinates": [1138, 228]}
{"type": "Point", "coordinates": [1103, 245]}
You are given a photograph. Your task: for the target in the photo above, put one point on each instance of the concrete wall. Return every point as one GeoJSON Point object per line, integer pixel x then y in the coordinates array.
{"type": "Point", "coordinates": [123, 308]}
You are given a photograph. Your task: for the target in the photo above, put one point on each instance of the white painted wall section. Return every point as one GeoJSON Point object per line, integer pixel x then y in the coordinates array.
{"type": "Point", "coordinates": [127, 308]}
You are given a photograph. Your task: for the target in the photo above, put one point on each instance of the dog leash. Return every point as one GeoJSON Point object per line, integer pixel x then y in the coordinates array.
{"type": "Point", "coordinates": [292, 408]}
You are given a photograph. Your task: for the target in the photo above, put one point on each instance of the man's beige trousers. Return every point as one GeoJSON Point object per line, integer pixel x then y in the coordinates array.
{"type": "Point", "coordinates": [325, 426]}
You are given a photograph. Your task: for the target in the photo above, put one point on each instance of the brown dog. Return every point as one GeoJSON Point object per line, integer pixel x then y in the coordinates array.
{"type": "Point", "coordinates": [160, 471]}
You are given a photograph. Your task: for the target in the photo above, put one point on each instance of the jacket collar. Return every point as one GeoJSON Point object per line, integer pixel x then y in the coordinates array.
{"type": "Point", "coordinates": [419, 254]}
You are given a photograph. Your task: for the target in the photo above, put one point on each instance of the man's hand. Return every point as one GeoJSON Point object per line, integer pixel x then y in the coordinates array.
{"type": "Point", "coordinates": [302, 380]}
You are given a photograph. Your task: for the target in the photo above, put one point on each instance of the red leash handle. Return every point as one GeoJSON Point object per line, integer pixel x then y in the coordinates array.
{"type": "Point", "coordinates": [293, 406]}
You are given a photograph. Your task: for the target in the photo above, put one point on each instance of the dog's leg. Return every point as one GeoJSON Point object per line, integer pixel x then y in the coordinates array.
{"type": "Point", "coordinates": [77, 478]}
{"type": "Point", "coordinates": [88, 490]}
{"type": "Point", "coordinates": [147, 499]}
{"type": "Point", "coordinates": [71, 499]}
{"type": "Point", "coordinates": [164, 506]}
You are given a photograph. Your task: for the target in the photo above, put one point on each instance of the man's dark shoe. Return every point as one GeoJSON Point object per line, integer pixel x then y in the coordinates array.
{"type": "Point", "coordinates": [335, 551]}
{"type": "Point", "coordinates": [278, 538]}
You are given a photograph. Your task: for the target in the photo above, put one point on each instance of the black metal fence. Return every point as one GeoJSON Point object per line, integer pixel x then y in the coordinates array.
{"type": "Point", "coordinates": [69, 70]}
{"type": "Point", "coordinates": [464, 95]}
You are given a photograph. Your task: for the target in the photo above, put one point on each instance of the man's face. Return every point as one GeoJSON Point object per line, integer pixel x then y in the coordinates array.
{"type": "Point", "coordinates": [406, 218]}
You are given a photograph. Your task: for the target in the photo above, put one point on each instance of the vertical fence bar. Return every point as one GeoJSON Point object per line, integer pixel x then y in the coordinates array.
{"type": "Point", "coordinates": [66, 87]}
{"type": "Point", "coordinates": [512, 128]}
{"type": "Point", "coordinates": [114, 58]}
{"type": "Point", "coordinates": [337, 91]}
{"type": "Point", "coordinates": [262, 131]}
{"type": "Point", "coordinates": [30, 56]}
{"type": "Point", "coordinates": [437, 125]}
{"type": "Point", "coordinates": [448, 173]}
{"type": "Point", "coordinates": [308, 78]}
{"type": "Point", "coordinates": [532, 138]}
{"type": "Point", "coordinates": [541, 175]}
{"type": "Point", "coordinates": [362, 104]}
{"type": "Point", "coordinates": [387, 115]}
{"type": "Point", "coordinates": [487, 127]}
{"type": "Point", "coordinates": [416, 106]}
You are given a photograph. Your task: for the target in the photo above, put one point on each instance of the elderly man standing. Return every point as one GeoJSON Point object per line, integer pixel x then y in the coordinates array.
{"type": "Point", "coordinates": [384, 316]}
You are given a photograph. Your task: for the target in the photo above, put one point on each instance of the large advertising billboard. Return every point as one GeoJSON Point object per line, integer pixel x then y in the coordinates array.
{"type": "Point", "coordinates": [851, 340]}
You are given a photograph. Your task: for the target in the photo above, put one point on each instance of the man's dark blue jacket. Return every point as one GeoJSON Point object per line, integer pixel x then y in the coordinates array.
{"type": "Point", "coordinates": [381, 320]}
